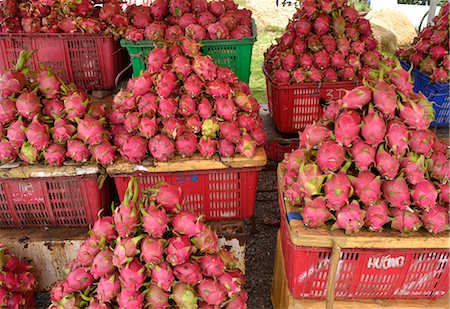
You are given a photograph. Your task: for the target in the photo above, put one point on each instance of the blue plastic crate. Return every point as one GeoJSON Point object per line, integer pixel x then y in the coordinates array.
{"type": "Point", "coordinates": [438, 93]}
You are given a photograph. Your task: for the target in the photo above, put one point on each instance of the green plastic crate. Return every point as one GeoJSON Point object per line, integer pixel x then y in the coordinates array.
{"type": "Point", "coordinates": [235, 54]}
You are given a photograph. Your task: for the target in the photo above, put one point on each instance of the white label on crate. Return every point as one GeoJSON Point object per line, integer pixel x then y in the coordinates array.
{"type": "Point", "coordinates": [329, 94]}
{"type": "Point", "coordinates": [26, 188]}
{"type": "Point", "coordinates": [386, 262]}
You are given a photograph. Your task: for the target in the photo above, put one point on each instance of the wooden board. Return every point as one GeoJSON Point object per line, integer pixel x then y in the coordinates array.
{"type": "Point", "coordinates": [196, 162]}
{"type": "Point", "coordinates": [282, 298]}
{"type": "Point", "coordinates": [41, 170]}
{"type": "Point", "coordinates": [324, 237]}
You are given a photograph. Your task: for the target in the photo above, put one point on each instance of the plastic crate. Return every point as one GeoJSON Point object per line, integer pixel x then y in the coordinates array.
{"type": "Point", "coordinates": [216, 194]}
{"type": "Point", "coordinates": [277, 149]}
{"type": "Point", "coordinates": [293, 107]}
{"type": "Point", "coordinates": [52, 201]}
{"type": "Point", "coordinates": [438, 93]}
{"type": "Point", "coordinates": [362, 272]}
{"type": "Point", "coordinates": [234, 54]}
{"type": "Point", "coordinates": [89, 61]}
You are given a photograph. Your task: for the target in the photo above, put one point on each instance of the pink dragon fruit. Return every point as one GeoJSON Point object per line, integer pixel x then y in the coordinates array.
{"type": "Point", "coordinates": [346, 127]}
{"type": "Point", "coordinates": [125, 250]}
{"type": "Point", "coordinates": [133, 275]}
{"type": "Point", "coordinates": [184, 295]}
{"type": "Point", "coordinates": [204, 67]}
{"type": "Point", "coordinates": [11, 82]}
{"type": "Point", "coordinates": [363, 155]}
{"type": "Point", "coordinates": [152, 250]}
{"type": "Point", "coordinates": [337, 190]}
{"type": "Point", "coordinates": [37, 134]}
{"type": "Point", "coordinates": [405, 221]}
{"type": "Point", "coordinates": [310, 179]}
{"type": "Point", "coordinates": [424, 194]}
{"type": "Point", "coordinates": [350, 218]}
{"type": "Point", "coordinates": [444, 193]}
{"type": "Point", "coordinates": [130, 299]}
{"type": "Point", "coordinates": [178, 250]}
{"type": "Point", "coordinates": [15, 134]}
{"type": "Point", "coordinates": [7, 110]}
{"type": "Point", "coordinates": [373, 129]}
{"type": "Point", "coordinates": [166, 83]}
{"type": "Point", "coordinates": [225, 108]}
{"type": "Point", "coordinates": [357, 98]}
{"type": "Point", "coordinates": [187, 224]}
{"type": "Point", "coordinates": [103, 153]}
{"type": "Point", "coordinates": [207, 147]}
{"type": "Point", "coordinates": [154, 221]}
{"type": "Point", "coordinates": [414, 115]}
{"type": "Point", "coordinates": [134, 149]}
{"type": "Point", "coordinates": [226, 148]}
{"type": "Point", "coordinates": [90, 130]}
{"type": "Point", "coordinates": [7, 152]}
{"type": "Point", "coordinates": [102, 265]}
{"type": "Point", "coordinates": [211, 265]}
{"type": "Point", "coordinates": [188, 272]}
{"type": "Point", "coordinates": [192, 124]}
{"type": "Point", "coordinates": [385, 98]}
{"type": "Point", "coordinates": [53, 107]}
{"type": "Point", "coordinates": [313, 135]}
{"type": "Point", "coordinates": [367, 187]}
{"type": "Point", "coordinates": [162, 275]}
{"type": "Point", "coordinates": [246, 146]}
{"type": "Point", "coordinates": [55, 154]}
{"type": "Point", "coordinates": [315, 212]}
{"type": "Point", "coordinates": [103, 230]}
{"type": "Point", "coordinates": [386, 164]}
{"type": "Point", "coordinates": [29, 154]}
{"type": "Point", "coordinates": [167, 107]}
{"type": "Point", "coordinates": [168, 196]}
{"type": "Point", "coordinates": [218, 89]}
{"type": "Point", "coordinates": [49, 84]}
{"type": "Point", "coordinates": [230, 284]}
{"type": "Point", "coordinates": [181, 65]}
{"type": "Point", "coordinates": [108, 288]}
{"type": "Point", "coordinates": [193, 85]}
{"type": "Point", "coordinates": [413, 166]}
{"type": "Point", "coordinates": [435, 220]}
{"type": "Point", "coordinates": [156, 296]}
{"type": "Point", "coordinates": [161, 147]}
{"type": "Point", "coordinates": [77, 151]}
{"type": "Point", "coordinates": [397, 138]}
{"type": "Point", "coordinates": [27, 104]}
{"type": "Point", "coordinates": [75, 104]}
{"type": "Point", "coordinates": [148, 127]}
{"type": "Point", "coordinates": [421, 142]}
{"type": "Point", "coordinates": [78, 279]}
{"type": "Point", "coordinates": [186, 144]}
{"type": "Point", "coordinates": [438, 166]}
{"type": "Point", "coordinates": [126, 219]}
{"type": "Point", "coordinates": [376, 216]}
{"type": "Point", "coordinates": [147, 104]}
{"type": "Point", "coordinates": [230, 131]}
{"type": "Point", "coordinates": [396, 192]}
{"type": "Point", "coordinates": [330, 156]}
{"type": "Point", "coordinates": [206, 241]}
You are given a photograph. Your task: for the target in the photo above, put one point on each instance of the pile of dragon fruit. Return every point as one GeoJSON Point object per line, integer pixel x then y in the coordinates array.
{"type": "Point", "coordinates": [429, 51]}
{"type": "Point", "coordinates": [17, 281]}
{"type": "Point", "coordinates": [42, 118]}
{"type": "Point", "coordinates": [197, 19]}
{"type": "Point", "coordinates": [61, 16]}
{"type": "Point", "coordinates": [372, 161]}
{"type": "Point", "coordinates": [326, 41]}
{"type": "Point", "coordinates": [184, 103]}
{"type": "Point", "coordinates": [150, 254]}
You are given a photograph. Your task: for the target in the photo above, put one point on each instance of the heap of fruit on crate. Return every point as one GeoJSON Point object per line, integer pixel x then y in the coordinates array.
{"type": "Point", "coordinates": [326, 41]}
{"type": "Point", "coordinates": [151, 253]}
{"type": "Point", "coordinates": [43, 118]}
{"type": "Point", "coordinates": [372, 161]}
{"type": "Point", "coordinates": [199, 19]}
{"type": "Point", "coordinates": [430, 50]}
{"type": "Point", "coordinates": [185, 102]}
{"type": "Point", "coordinates": [17, 281]}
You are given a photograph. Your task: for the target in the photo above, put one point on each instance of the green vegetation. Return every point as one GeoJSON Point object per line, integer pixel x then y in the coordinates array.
{"type": "Point", "coordinates": [257, 77]}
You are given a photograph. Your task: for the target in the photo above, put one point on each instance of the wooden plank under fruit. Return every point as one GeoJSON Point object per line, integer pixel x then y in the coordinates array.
{"type": "Point", "coordinates": [324, 237]}
{"type": "Point", "coordinates": [196, 162]}
{"type": "Point", "coordinates": [17, 170]}
{"type": "Point", "coordinates": [283, 299]}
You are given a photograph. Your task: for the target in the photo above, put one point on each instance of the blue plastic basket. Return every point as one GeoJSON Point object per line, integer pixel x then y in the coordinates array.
{"type": "Point", "coordinates": [438, 93]}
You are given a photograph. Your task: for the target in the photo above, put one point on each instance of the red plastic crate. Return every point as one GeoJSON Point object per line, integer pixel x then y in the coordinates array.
{"type": "Point", "coordinates": [89, 61]}
{"type": "Point", "coordinates": [276, 150]}
{"type": "Point", "coordinates": [364, 273]}
{"type": "Point", "coordinates": [295, 106]}
{"type": "Point", "coordinates": [216, 194]}
{"type": "Point", "coordinates": [52, 201]}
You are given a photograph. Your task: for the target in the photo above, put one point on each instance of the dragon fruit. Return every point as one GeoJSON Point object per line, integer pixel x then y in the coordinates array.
{"type": "Point", "coordinates": [413, 166]}
{"type": "Point", "coordinates": [162, 275]}
{"type": "Point", "coordinates": [330, 156]}
{"type": "Point", "coordinates": [178, 250]}
{"type": "Point", "coordinates": [315, 212]}
{"type": "Point", "coordinates": [386, 164]}
{"type": "Point", "coordinates": [207, 147]}
{"type": "Point", "coordinates": [103, 153]}
{"type": "Point", "coordinates": [373, 129]}
{"type": "Point", "coordinates": [133, 275]}
{"type": "Point", "coordinates": [157, 296]}
{"type": "Point", "coordinates": [188, 273]}
{"type": "Point", "coordinates": [78, 279]}
{"type": "Point", "coordinates": [102, 265]}
{"type": "Point", "coordinates": [350, 218]}
{"type": "Point", "coordinates": [75, 104]}
{"type": "Point", "coordinates": [396, 192]}
{"type": "Point", "coordinates": [37, 134]}
{"type": "Point", "coordinates": [161, 147]}
{"type": "Point", "coordinates": [152, 250]}
{"type": "Point", "coordinates": [347, 127]}
{"type": "Point", "coordinates": [204, 67]}
{"type": "Point", "coordinates": [424, 194]}
{"type": "Point", "coordinates": [90, 130]}
{"type": "Point", "coordinates": [367, 187]}
{"type": "Point", "coordinates": [108, 288]}
{"type": "Point", "coordinates": [338, 189]}
{"type": "Point", "coordinates": [28, 104]}
{"type": "Point", "coordinates": [376, 216]}
{"type": "Point", "coordinates": [313, 135]}
{"type": "Point", "coordinates": [49, 84]}
{"type": "Point", "coordinates": [405, 221]}
{"type": "Point", "coordinates": [357, 98]}
{"type": "Point", "coordinates": [206, 241]}
{"type": "Point", "coordinates": [363, 155]}
{"type": "Point", "coordinates": [77, 150]}
{"type": "Point", "coordinates": [211, 265]}
{"type": "Point", "coordinates": [7, 110]}
{"type": "Point", "coordinates": [421, 142]}
{"type": "Point", "coordinates": [397, 137]}
{"type": "Point", "coordinates": [154, 221]}
{"type": "Point", "coordinates": [435, 220]}
{"type": "Point", "coordinates": [55, 154]}
{"type": "Point", "coordinates": [310, 179]}
{"type": "Point", "coordinates": [7, 152]}
{"type": "Point", "coordinates": [246, 146]}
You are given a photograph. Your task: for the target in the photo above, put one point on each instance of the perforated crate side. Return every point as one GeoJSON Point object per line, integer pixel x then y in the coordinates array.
{"type": "Point", "coordinates": [217, 194]}
{"type": "Point", "coordinates": [59, 201]}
